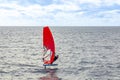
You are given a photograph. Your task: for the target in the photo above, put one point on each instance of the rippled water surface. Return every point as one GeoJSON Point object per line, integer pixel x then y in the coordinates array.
{"type": "Point", "coordinates": [84, 54]}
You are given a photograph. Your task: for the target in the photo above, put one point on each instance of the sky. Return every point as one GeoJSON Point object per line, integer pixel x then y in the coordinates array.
{"type": "Point", "coordinates": [60, 12]}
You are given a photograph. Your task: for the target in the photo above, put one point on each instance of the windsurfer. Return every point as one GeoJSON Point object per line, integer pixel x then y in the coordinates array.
{"type": "Point", "coordinates": [56, 57]}
{"type": "Point", "coordinates": [48, 53]}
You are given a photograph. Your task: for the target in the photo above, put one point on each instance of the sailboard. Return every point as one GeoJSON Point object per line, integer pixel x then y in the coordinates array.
{"type": "Point", "coordinates": [48, 46]}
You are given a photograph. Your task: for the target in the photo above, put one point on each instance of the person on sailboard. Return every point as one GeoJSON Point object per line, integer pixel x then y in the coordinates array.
{"type": "Point", "coordinates": [48, 53]}
{"type": "Point", "coordinates": [56, 57]}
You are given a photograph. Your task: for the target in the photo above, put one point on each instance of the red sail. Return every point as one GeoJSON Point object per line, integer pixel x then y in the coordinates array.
{"type": "Point", "coordinates": [48, 43]}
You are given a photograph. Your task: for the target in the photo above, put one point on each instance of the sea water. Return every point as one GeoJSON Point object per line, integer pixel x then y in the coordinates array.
{"type": "Point", "coordinates": [85, 53]}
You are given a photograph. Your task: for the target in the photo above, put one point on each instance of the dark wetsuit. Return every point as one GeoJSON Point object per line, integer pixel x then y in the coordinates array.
{"type": "Point", "coordinates": [56, 57]}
